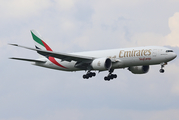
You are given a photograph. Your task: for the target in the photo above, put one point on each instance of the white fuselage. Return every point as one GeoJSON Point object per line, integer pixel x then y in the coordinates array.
{"type": "Point", "coordinates": [121, 58]}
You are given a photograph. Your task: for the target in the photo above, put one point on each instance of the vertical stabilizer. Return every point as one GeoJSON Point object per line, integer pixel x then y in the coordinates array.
{"type": "Point", "coordinates": [39, 43]}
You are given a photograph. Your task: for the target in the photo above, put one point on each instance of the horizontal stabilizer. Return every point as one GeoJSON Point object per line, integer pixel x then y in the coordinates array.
{"type": "Point", "coordinates": [30, 60]}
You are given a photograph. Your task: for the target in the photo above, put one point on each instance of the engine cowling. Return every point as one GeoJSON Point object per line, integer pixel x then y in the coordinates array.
{"type": "Point", "coordinates": [101, 64]}
{"type": "Point", "coordinates": [139, 69]}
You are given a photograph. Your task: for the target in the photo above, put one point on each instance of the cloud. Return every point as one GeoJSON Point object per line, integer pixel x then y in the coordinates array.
{"type": "Point", "coordinates": [3, 43]}
{"type": "Point", "coordinates": [151, 38]}
{"type": "Point", "coordinates": [65, 4]}
{"type": "Point", "coordinates": [147, 39]}
{"type": "Point", "coordinates": [19, 9]}
{"type": "Point", "coordinates": [116, 114]}
{"type": "Point", "coordinates": [173, 37]}
{"type": "Point", "coordinates": [107, 114]}
{"type": "Point", "coordinates": [63, 114]}
{"type": "Point", "coordinates": [108, 29]}
{"type": "Point", "coordinates": [172, 69]}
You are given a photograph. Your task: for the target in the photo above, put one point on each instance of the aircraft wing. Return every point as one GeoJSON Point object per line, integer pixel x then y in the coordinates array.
{"type": "Point", "coordinates": [62, 56]}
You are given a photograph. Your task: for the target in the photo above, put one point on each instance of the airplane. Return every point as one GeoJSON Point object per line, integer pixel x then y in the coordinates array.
{"type": "Point", "coordinates": [136, 59]}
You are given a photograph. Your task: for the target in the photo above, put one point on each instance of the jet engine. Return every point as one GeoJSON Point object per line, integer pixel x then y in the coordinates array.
{"type": "Point", "coordinates": [101, 64]}
{"type": "Point", "coordinates": [139, 69]}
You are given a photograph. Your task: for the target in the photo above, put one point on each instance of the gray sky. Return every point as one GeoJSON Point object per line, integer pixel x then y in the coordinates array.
{"type": "Point", "coordinates": [33, 93]}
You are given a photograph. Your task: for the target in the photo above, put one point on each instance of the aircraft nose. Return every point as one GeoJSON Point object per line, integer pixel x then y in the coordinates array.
{"type": "Point", "coordinates": [171, 56]}
{"type": "Point", "coordinates": [174, 55]}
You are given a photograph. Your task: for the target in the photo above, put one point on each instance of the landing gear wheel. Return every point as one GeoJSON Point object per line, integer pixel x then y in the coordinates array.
{"type": "Point", "coordinates": [106, 78]}
{"type": "Point", "coordinates": [162, 70]}
{"type": "Point", "coordinates": [93, 74]}
{"type": "Point", "coordinates": [110, 77]}
{"type": "Point", "coordinates": [89, 75]}
{"type": "Point", "coordinates": [114, 76]}
{"type": "Point", "coordinates": [85, 76]}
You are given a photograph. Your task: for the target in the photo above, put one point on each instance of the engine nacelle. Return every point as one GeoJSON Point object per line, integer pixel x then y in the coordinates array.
{"type": "Point", "coordinates": [139, 69]}
{"type": "Point", "coordinates": [101, 64]}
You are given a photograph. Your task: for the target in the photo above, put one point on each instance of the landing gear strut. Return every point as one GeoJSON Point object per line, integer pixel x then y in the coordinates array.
{"type": "Point", "coordinates": [89, 75]}
{"type": "Point", "coordinates": [110, 75]}
{"type": "Point", "coordinates": [162, 66]}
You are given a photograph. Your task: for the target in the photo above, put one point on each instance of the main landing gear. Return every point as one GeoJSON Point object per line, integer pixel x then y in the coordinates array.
{"type": "Point", "coordinates": [110, 75]}
{"type": "Point", "coordinates": [107, 78]}
{"type": "Point", "coordinates": [89, 75]}
{"type": "Point", "coordinates": [162, 66]}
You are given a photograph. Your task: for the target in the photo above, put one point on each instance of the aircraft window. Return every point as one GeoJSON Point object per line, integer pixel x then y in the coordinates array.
{"type": "Point", "coordinates": [169, 51]}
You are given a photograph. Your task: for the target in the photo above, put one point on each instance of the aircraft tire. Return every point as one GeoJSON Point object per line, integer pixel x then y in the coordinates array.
{"type": "Point", "coordinates": [115, 76]}
{"type": "Point", "coordinates": [90, 75]}
{"type": "Point", "coordinates": [111, 77]}
{"type": "Point", "coordinates": [106, 78]}
{"type": "Point", "coordinates": [85, 76]}
{"type": "Point", "coordinates": [162, 70]}
{"type": "Point", "coordinates": [93, 74]}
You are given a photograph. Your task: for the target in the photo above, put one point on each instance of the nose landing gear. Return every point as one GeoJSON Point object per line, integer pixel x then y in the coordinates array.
{"type": "Point", "coordinates": [162, 66]}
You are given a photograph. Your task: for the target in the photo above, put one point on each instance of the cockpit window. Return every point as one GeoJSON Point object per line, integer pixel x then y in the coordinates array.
{"type": "Point", "coordinates": [169, 51]}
